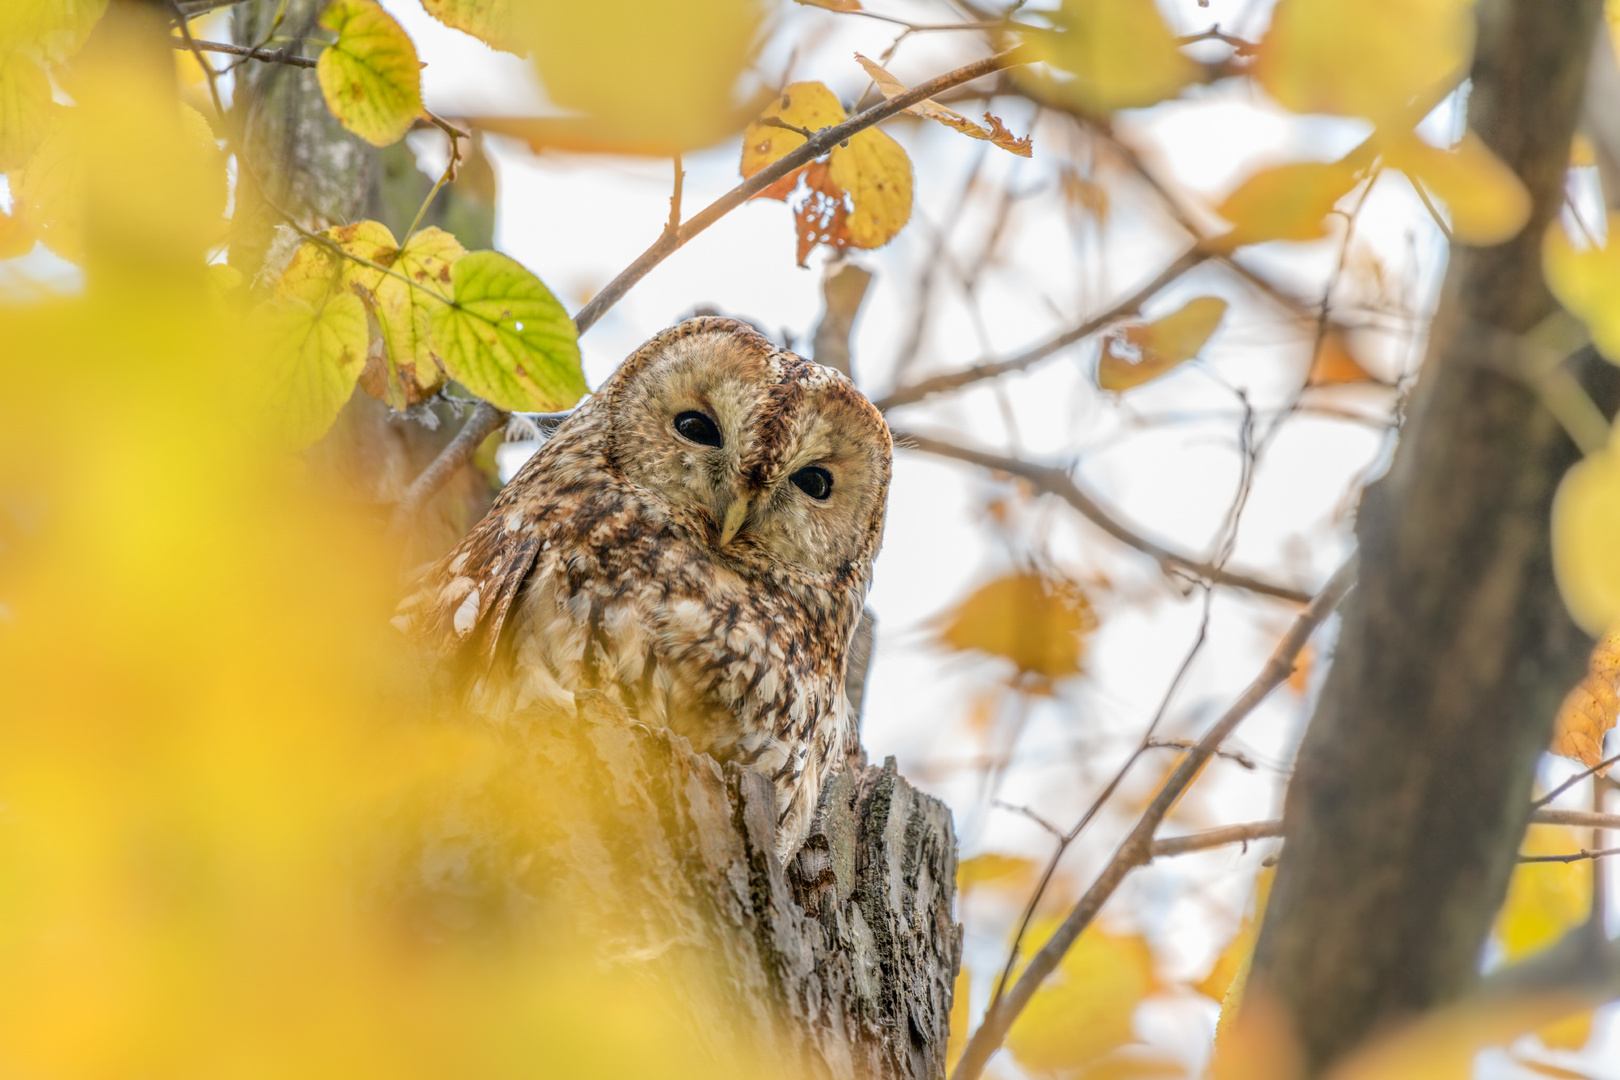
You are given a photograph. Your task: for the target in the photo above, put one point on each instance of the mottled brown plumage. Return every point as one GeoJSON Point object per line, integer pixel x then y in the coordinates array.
{"type": "Point", "coordinates": [606, 563]}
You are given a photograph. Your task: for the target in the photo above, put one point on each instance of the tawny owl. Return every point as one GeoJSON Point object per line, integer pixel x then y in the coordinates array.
{"type": "Point", "coordinates": [695, 541]}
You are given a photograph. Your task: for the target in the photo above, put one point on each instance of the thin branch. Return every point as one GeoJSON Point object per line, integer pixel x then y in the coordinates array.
{"type": "Point", "coordinates": [820, 143]}
{"type": "Point", "coordinates": [1137, 847]}
{"type": "Point", "coordinates": [955, 380]}
{"type": "Point", "coordinates": [269, 56]}
{"type": "Point", "coordinates": [1572, 781]}
{"type": "Point", "coordinates": [1574, 856]}
{"type": "Point", "coordinates": [1581, 819]}
{"type": "Point", "coordinates": [487, 418]}
{"type": "Point", "coordinates": [1054, 481]}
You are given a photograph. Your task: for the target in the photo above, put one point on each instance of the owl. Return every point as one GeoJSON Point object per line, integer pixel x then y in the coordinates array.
{"type": "Point", "coordinates": [696, 542]}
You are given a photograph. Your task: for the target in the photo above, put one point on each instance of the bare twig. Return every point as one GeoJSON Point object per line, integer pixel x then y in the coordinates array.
{"type": "Point", "coordinates": [1058, 482]}
{"type": "Point", "coordinates": [1137, 847]}
{"type": "Point", "coordinates": [1572, 781]}
{"type": "Point", "coordinates": [485, 419]}
{"type": "Point", "coordinates": [269, 56]}
{"type": "Point", "coordinates": [1574, 856]}
{"type": "Point", "coordinates": [1581, 819]}
{"type": "Point", "coordinates": [955, 380]}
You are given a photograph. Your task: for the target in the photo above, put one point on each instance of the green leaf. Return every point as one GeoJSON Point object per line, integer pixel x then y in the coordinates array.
{"type": "Point", "coordinates": [506, 338]}
{"type": "Point", "coordinates": [315, 358]}
{"type": "Point", "coordinates": [25, 109]}
{"type": "Point", "coordinates": [412, 371]}
{"type": "Point", "coordinates": [370, 76]}
{"type": "Point", "coordinates": [490, 21]}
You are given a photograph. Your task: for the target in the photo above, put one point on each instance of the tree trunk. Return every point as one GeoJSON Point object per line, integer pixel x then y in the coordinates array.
{"type": "Point", "coordinates": [597, 828]}
{"type": "Point", "coordinates": [1413, 783]}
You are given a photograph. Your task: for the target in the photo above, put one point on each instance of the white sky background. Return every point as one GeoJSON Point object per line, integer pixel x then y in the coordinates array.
{"type": "Point", "coordinates": [1164, 458]}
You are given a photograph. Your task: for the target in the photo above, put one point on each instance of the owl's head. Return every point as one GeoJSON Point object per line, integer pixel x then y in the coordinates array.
{"type": "Point", "coordinates": [770, 460]}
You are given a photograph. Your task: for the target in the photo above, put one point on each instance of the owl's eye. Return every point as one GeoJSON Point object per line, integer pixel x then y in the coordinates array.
{"type": "Point", "coordinates": [699, 428]}
{"type": "Point", "coordinates": [814, 481]}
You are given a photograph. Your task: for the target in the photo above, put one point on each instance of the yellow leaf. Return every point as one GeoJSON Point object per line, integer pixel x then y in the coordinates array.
{"type": "Point", "coordinates": [1544, 899]}
{"type": "Point", "coordinates": [832, 5]}
{"type": "Point", "coordinates": [1585, 522]}
{"type": "Point", "coordinates": [996, 132]}
{"type": "Point", "coordinates": [1256, 1042]}
{"type": "Point", "coordinates": [1571, 1033]}
{"type": "Point", "coordinates": [877, 174]}
{"type": "Point", "coordinates": [961, 1014]}
{"type": "Point", "coordinates": [490, 21]}
{"type": "Point", "coordinates": [25, 108]}
{"type": "Point", "coordinates": [1141, 352]}
{"type": "Point", "coordinates": [55, 28]}
{"type": "Point", "coordinates": [370, 76]}
{"type": "Point", "coordinates": [1085, 1009]}
{"type": "Point", "coordinates": [1284, 202]}
{"type": "Point", "coordinates": [648, 75]}
{"type": "Point", "coordinates": [1587, 283]}
{"type": "Point", "coordinates": [1444, 1044]}
{"type": "Point", "coordinates": [413, 372]}
{"type": "Point", "coordinates": [990, 868]}
{"type": "Point", "coordinates": [1113, 54]}
{"type": "Point", "coordinates": [1225, 980]}
{"type": "Point", "coordinates": [807, 105]}
{"type": "Point", "coordinates": [1487, 203]}
{"type": "Point", "coordinates": [317, 356]}
{"type": "Point", "coordinates": [1373, 59]}
{"type": "Point", "coordinates": [1039, 623]}
{"type": "Point", "coordinates": [16, 238]}
{"type": "Point", "coordinates": [1592, 707]}
{"type": "Point", "coordinates": [50, 192]}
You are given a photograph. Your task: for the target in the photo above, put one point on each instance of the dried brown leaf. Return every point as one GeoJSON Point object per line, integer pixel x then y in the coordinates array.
{"type": "Point", "coordinates": [1592, 707]}
{"type": "Point", "coordinates": [996, 132]}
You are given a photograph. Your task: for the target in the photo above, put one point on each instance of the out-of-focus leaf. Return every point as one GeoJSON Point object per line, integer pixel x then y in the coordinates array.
{"type": "Point", "coordinates": [961, 1014]}
{"type": "Point", "coordinates": [1335, 362]}
{"type": "Point", "coordinates": [649, 76]}
{"type": "Point", "coordinates": [55, 28]}
{"type": "Point", "coordinates": [25, 108]}
{"type": "Point", "coordinates": [1224, 982]}
{"type": "Point", "coordinates": [1571, 1033]}
{"type": "Point", "coordinates": [1114, 54]}
{"type": "Point", "coordinates": [1256, 1042]}
{"type": "Point", "coordinates": [1285, 202]}
{"type": "Point", "coordinates": [877, 174]}
{"type": "Point", "coordinates": [1585, 522]}
{"type": "Point", "coordinates": [1546, 899]}
{"type": "Point", "coordinates": [16, 238]}
{"type": "Point", "coordinates": [832, 5]}
{"type": "Point", "coordinates": [506, 338]}
{"type": "Point", "coordinates": [370, 76]}
{"type": "Point", "coordinates": [1487, 202]}
{"type": "Point", "coordinates": [1372, 59]}
{"type": "Point", "coordinates": [1039, 623]}
{"type": "Point", "coordinates": [1141, 352]}
{"type": "Point", "coordinates": [1443, 1044]}
{"type": "Point", "coordinates": [50, 192]}
{"type": "Point", "coordinates": [318, 355]}
{"type": "Point", "coordinates": [1591, 709]}
{"type": "Point", "coordinates": [1008, 870]}
{"type": "Point", "coordinates": [807, 105]}
{"type": "Point", "coordinates": [1587, 282]}
{"type": "Point", "coordinates": [996, 132]}
{"type": "Point", "coordinates": [1084, 1009]}
{"type": "Point", "coordinates": [490, 21]}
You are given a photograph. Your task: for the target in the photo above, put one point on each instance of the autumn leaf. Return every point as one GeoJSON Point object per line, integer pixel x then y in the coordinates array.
{"type": "Point", "coordinates": [1585, 522]}
{"type": "Point", "coordinates": [412, 373]}
{"type": "Point", "coordinates": [317, 354]}
{"type": "Point", "coordinates": [51, 190]}
{"type": "Point", "coordinates": [807, 105]}
{"type": "Point", "coordinates": [877, 174]}
{"type": "Point", "coordinates": [833, 5]}
{"type": "Point", "coordinates": [1009, 871]}
{"type": "Point", "coordinates": [370, 76]}
{"type": "Point", "coordinates": [961, 1011]}
{"type": "Point", "coordinates": [1039, 623]}
{"type": "Point", "coordinates": [53, 29]}
{"type": "Point", "coordinates": [1571, 1033]}
{"type": "Point", "coordinates": [1084, 1010]}
{"type": "Point", "coordinates": [1334, 363]}
{"type": "Point", "coordinates": [1226, 977]}
{"type": "Point", "coordinates": [25, 108]}
{"type": "Point", "coordinates": [506, 338]}
{"type": "Point", "coordinates": [16, 238]}
{"type": "Point", "coordinates": [1284, 202]}
{"type": "Point", "coordinates": [996, 132]}
{"type": "Point", "coordinates": [1111, 54]}
{"type": "Point", "coordinates": [1372, 59]}
{"type": "Point", "coordinates": [1587, 282]}
{"type": "Point", "coordinates": [1487, 203]}
{"type": "Point", "coordinates": [1544, 899]}
{"type": "Point", "coordinates": [1141, 352]}
{"type": "Point", "coordinates": [1592, 707]}
{"type": "Point", "coordinates": [490, 21]}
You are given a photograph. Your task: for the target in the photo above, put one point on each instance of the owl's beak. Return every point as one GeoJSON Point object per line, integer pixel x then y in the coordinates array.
{"type": "Point", "coordinates": [731, 521]}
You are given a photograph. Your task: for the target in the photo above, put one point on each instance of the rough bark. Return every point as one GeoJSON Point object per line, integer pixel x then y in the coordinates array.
{"type": "Point", "coordinates": [1413, 781]}
{"type": "Point", "coordinates": [842, 966]}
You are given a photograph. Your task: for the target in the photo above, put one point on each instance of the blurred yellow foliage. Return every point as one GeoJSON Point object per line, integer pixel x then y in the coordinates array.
{"type": "Point", "coordinates": [1141, 352]}
{"type": "Point", "coordinates": [961, 1016]}
{"type": "Point", "coordinates": [1112, 54]}
{"type": "Point", "coordinates": [25, 108]}
{"type": "Point", "coordinates": [1387, 60]}
{"type": "Point", "coordinates": [1487, 203]}
{"type": "Point", "coordinates": [1085, 1009]}
{"type": "Point", "coordinates": [490, 21]}
{"type": "Point", "coordinates": [1285, 202]}
{"type": "Point", "coordinates": [1585, 521]}
{"type": "Point", "coordinates": [1007, 871]}
{"type": "Point", "coordinates": [1586, 281]}
{"type": "Point", "coordinates": [1038, 622]}
{"type": "Point", "coordinates": [1546, 899]}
